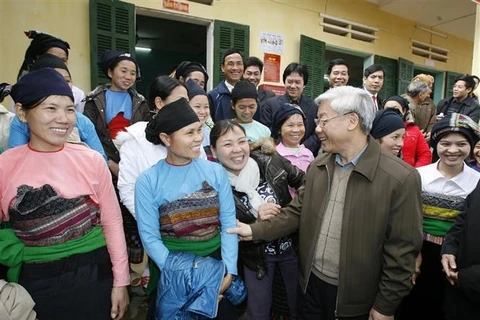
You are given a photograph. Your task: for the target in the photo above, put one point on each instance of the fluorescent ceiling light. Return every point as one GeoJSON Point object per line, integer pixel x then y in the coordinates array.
{"type": "Point", "coordinates": [144, 49]}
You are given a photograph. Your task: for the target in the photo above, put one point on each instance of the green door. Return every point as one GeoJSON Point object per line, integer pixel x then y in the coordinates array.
{"type": "Point", "coordinates": [405, 75]}
{"type": "Point", "coordinates": [450, 82]}
{"type": "Point", "coordinates": [112, 27]}
{"type": "Point", "coordinates": [312, 54]}
{"type": "Point", "coordinates": [228, 35]}
{"type": "Point", "coordinates": [390, 82]}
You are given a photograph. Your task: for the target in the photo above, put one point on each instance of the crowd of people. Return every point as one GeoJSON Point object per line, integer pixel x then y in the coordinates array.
{"type": "Point", "coordinates": [341, 206]}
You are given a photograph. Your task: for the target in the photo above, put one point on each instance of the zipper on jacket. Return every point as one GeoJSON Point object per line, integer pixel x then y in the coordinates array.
{"type": "Point", "coordinates": [316, 243]}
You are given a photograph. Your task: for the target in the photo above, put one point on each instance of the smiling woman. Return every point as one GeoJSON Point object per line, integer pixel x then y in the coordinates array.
{"type": "Point", "coordinates": [184, 206]}
{"type": "Point", "coordinates": [260, 182]}
{"type": "Point", "coordinates": [112, 108]}
{"type": "Point", "coordinates": [63, 236]}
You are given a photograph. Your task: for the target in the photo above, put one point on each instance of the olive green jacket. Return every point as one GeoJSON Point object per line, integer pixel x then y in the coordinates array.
{"type": "Point", "coordinates": [381, 229]}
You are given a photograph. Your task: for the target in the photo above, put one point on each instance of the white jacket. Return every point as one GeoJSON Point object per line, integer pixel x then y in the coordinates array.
{"type": "Point", "coordinates": [136, 155]}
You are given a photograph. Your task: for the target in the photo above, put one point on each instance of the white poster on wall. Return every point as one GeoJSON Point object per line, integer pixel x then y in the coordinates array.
{"type": "Point", "coordinates": [270, 42]}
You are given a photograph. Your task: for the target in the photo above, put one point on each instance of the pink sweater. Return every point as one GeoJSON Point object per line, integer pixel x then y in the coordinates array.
{"type": "Point", "coordinates": [301, 160]}
{"type": "Point", "coordinates": [73, 171]}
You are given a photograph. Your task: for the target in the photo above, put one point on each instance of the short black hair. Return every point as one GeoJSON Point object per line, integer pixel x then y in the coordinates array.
{"type": "Point", "coordinates": [469, 82]}
{"type": "Point", "coordinates": [220, 128]}
{"type": "Point", "coordinates": [253, 61]}
{"type": "Point", "coordinates": [299, 68]}
{"type": "Point", "coordinates": [476, 77]}
{"type": "Point", "coordinates": [228, 52]}
{"type": "Point", "coordinates": [372, 69]}
{"type": "Point", "coordinates": [337, 62]}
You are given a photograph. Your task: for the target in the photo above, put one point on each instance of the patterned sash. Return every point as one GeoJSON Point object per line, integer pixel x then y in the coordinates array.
{"type": "Point", "coordinates": [439, 213]}
{"type": "Point", "coordinates": [40, 217]}
{"type": "Point", "coordinates": [192, 217]}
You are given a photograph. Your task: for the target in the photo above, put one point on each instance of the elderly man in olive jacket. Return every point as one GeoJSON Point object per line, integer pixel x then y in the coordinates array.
{"type": "Point", "coordinates": [359, 215]}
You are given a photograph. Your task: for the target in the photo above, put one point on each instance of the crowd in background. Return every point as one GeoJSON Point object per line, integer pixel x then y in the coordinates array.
{"type": "Point", "coordinates": [343, 206]}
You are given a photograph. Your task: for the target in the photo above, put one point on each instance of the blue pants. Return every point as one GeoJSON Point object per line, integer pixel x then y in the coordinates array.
{"type": "Point", "coordinates": [260, 291]}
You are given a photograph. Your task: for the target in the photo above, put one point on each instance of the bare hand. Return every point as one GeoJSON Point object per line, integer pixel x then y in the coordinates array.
{"type": "Point", "coordinates": [426, 135]}
{"type": "Point", "coordinates": [418, 264]}
{"type": "Point", "coordinates": [450, 268]}
{"type": "Point", "coordinates": [114, 168]}
{"type": "Point", "coordinates": [375, 315]}
{"type": "Point", "coordinates": [243, 230]}
{"type": "Point", "coordinates": [267, 211]}
{"type": "Point", "coordinates": [120, 302]}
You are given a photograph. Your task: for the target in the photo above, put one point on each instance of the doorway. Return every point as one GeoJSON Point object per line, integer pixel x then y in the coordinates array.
{"type": "Point", "coordinates": [161, 44]}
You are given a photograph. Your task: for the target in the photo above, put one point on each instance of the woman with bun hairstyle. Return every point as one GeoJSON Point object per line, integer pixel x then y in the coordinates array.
{"type": "Point", "coordinates": [192, 70]}
{"type": "Point", "coordinates": [184, 205]}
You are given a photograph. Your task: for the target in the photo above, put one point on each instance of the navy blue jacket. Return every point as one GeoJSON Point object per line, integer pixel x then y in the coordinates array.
{"type": "Point", "coordinates": [220, 100]}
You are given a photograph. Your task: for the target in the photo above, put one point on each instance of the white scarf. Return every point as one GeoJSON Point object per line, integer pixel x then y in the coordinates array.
{"type": "Point", "coordinates": [247, 182]}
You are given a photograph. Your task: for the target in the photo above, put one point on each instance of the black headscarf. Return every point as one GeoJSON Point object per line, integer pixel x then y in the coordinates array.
{"type": "Point", "coordinates": [172, 117]}
{"type": "Point", "coordinates": [40, 44]}
{"type": "Point", "coordinates": [187, 67]}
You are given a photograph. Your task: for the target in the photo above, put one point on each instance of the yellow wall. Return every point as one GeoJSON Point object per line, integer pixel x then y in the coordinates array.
{"type": "Point", "coordinates": [68, 19]}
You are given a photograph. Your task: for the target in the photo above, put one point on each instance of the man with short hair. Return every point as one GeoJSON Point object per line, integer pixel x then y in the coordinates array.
{"type": "Point", "coordinates": [253, 74]}
{"type": "Point", "coordinates": [461, 101]}
{"type": "Point", "coordinates": [220, 97]}
{"type": "Point", "coordinates": [423, 115]}
{"type": "Point", "coordinates": [359, 216]}
{"type": "Point", "coordinates": [337, 72]}
{"type": "Point", "coordinates": [373, 78]}
{"type": "Point", "coordinates": [295, 78]}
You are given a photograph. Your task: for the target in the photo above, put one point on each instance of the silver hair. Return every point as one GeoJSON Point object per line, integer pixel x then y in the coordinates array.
{"type": "Point", "coordinates": [350, 99]}
{"type": "Point", "coordinates": [416, 87]}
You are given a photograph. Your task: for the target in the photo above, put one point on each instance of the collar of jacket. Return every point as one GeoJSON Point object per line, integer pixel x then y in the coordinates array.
{"type": "Point", "coordinates": [222, 88]}
{"type": "Point", "coordinates": [102, 88]}
{"type": "Point", "coordinates": [289, 99]}
{"type": "Point", "coordinates": [367, 165]}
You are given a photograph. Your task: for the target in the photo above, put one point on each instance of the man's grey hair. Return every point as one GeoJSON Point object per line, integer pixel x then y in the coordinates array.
{"type": "Point", "coordinates": [416, 87]}
{"type": "Point", "coordinates": [350, 99]}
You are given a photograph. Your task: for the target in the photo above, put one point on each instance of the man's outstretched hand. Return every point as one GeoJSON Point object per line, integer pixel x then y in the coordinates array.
{"type": "Point", "coordinates": [243, 230]}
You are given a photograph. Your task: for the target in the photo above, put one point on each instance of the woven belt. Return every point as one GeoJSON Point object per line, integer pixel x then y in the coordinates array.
{"type": "Point", "coordinates": [434, 239]}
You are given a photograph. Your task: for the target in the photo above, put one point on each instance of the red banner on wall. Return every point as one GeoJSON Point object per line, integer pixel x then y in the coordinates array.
{"type": "Point", "coordinates": [271, 67]}
{"type": "Point", "coordinates": [175, 5]}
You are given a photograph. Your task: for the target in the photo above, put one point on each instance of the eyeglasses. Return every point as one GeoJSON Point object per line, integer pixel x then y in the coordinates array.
{"type": "Point", "coordinates": [323, 122]}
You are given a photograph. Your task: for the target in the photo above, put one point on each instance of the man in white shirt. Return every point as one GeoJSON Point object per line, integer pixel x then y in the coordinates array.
{"type": "Point", "coordinates": [373, 78]}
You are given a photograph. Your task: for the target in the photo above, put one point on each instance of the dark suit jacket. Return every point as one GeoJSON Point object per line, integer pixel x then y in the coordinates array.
{"type": "Point", "coordinates": [262, 96]}
{"type": "Point", "coordinates": [309, 108]}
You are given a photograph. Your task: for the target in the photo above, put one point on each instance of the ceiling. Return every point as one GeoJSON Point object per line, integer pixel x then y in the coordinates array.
{"type": "Point", "coordinates": [456, 17]}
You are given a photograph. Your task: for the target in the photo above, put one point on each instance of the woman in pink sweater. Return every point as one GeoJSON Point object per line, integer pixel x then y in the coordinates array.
{"type": "Point", "coordinates": [62, 235]}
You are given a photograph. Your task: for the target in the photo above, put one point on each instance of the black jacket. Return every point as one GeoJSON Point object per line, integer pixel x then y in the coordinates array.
{"type": "Point", "coordinates": [309, 108]}
{"type": "Point", "coordinates": [463, 242]}
{"type": "Point", "coordinates": [280, 174]}
{"type": "Point", "coordinates": [262, 96]}
{"type": "Point", "coordinates": [469, 107]}
{"type": "Point", "coordinates": [95, 104]}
